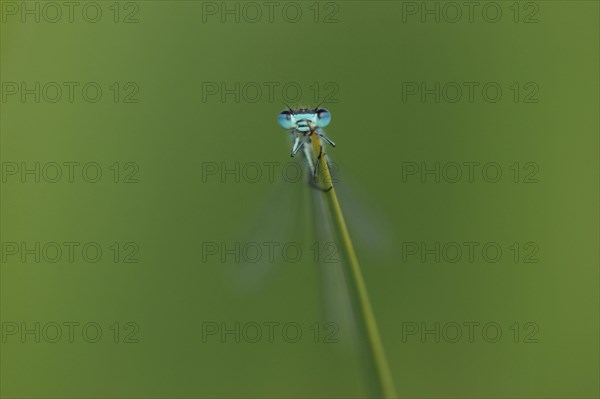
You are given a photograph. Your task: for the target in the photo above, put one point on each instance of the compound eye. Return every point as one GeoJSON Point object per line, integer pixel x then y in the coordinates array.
{"type": "Point", "coordinates": [285, 119]}
{"type": "Point", "coordinates": [323, 117]}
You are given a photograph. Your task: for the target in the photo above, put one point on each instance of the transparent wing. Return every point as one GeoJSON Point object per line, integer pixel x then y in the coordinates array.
{"type": "Point", "coordinates": [370, 229]}
{"type": "Point", "coordinates": [298, 211]}
{"type": "Point", "coordinates": [335, 300]}
{"type": "Point", "coordinates": [371, 232]}
{"type": "Point", "coordinates": [278, 221]}
{"type": "Point", "coordinates": [370, 235]}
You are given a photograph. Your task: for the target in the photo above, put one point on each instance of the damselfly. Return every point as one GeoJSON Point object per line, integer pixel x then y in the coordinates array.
{"type": "Point", "coordinates": [286, 215]}
{"type": "Point", "coordinates": [317, 228]}
{"type": "Point", "coordinates": [306, 127]}
{"type": "Point", "coordinates": [289, 213]}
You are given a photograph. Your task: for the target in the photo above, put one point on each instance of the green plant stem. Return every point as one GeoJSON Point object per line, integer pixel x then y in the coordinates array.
{"type": "Point", "coordinates": [357, 286]}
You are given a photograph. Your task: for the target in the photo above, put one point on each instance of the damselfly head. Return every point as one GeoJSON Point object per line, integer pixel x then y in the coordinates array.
{"type": "Point", "coordinates": [304, 119]}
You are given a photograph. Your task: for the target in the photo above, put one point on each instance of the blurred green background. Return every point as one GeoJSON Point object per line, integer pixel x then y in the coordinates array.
{"type": "Point", "coordinates": [167, 117]}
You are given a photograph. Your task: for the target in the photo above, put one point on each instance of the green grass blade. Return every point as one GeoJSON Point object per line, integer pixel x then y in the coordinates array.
{"type": "Point", "coordinates": [356, 285]}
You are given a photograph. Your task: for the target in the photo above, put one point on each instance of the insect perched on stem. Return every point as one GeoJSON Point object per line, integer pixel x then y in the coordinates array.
{"type": "Point", "coordinates": [306, 126]}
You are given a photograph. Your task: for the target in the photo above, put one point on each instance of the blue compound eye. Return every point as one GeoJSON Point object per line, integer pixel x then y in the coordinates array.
{"type": "Point", "coordinates": [323, 117]}
{"type": "Point", "coordinates": [285, 119]}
